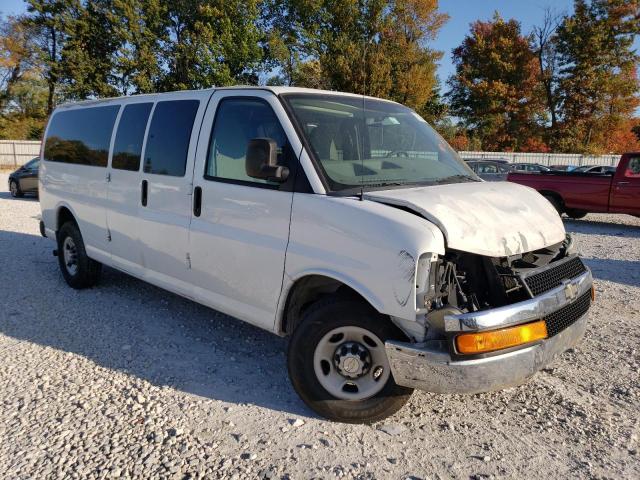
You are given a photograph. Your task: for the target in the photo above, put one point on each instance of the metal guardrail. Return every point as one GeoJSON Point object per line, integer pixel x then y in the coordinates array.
{"type": "Point", "coordinates": [14, 153]}
{"type": "Point", "coordinates": [547, 158]}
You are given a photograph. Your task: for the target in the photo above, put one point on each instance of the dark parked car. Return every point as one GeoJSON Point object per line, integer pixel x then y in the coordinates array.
{"type": "Point", "coordinates": [602, 170]}
{"type": "Point", "coordinates": [25, 179]}
{"type": "Point", "coordinates": [490, 170]}
{"type": "Point", "coordinates": [529, 167]}
{"type": "Point", "coordinates": [497, 160]}
{"type": "Point", "coordinates": [563, 168]}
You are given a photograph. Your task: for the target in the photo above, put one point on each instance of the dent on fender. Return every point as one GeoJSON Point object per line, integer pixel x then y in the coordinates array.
{"type": "Point", "coordinates": [403, 284]}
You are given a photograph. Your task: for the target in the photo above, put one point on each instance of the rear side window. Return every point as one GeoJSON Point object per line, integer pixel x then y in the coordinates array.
{"type": "Point", "coordinates": [169, 136]}
{"type": "Point", "coordinates": [128, 145]}
{"type": "Point", "coordinates": [81, 136]}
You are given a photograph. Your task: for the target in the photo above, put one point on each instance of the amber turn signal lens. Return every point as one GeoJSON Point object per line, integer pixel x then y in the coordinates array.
{"type": "Point", "coordinates": [483, 342]}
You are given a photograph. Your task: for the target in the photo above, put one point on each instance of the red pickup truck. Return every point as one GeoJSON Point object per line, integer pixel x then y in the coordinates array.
{"type": "Point", "coordinates": [577, 194]}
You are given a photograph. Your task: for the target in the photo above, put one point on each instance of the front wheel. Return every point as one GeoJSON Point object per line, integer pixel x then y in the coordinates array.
{"type": "Point", "coordinates": [338, 364]}
{"type": "Point", "coordinates": [14, 189]}
{"type": "Point", "coordinates": [78, 270]}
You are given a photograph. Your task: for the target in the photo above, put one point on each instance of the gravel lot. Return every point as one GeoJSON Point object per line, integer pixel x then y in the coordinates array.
{"type": "Point", "coordinates": [127, 380]}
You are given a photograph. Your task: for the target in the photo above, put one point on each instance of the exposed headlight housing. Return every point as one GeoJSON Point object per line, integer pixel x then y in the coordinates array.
{"type": "Point", "coordinates": [570, 246]}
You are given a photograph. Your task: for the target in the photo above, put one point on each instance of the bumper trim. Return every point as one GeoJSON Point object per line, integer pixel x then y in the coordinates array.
{"type": "Point", "coordinates": [429, 367]}
{"type": "Point", "coordinates": [521, 312]}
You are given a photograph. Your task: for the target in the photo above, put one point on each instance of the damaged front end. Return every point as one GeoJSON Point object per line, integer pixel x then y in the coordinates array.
{"type": "Point", "coordinates": [492, 322]}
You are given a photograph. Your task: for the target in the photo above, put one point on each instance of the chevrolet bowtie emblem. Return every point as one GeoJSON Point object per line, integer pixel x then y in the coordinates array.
{"type": "Point", "coordinates": [570, 290]}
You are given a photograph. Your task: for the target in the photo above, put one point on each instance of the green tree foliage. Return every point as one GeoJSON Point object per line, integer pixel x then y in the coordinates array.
{"type": "Point", "coordinates": [374, 47]}
{"type": "Point", "coordinates": [23, 93]}
{"type": "Point", "coordinates": [88, 51]}
{"type": "Point", "coordinates": [214, 42]}
{"type": "Point", "coordinates": [141, 27]}
{"type": "Point", "coordinates": [495, 90]}
{"type": "Point", "coordinates": [597, 76]}
{"type": "Point", "coordinates": [48, 20]}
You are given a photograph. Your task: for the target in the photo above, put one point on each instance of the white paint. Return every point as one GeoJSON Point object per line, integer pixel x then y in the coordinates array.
{"type": "Point", "coordinates": [496, 219]}
{"type": "Point", "coordinates": [250, 245]}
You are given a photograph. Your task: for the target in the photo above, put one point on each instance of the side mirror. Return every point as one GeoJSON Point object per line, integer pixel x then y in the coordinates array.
{"type": "Point", "coordinates": [262, 161]}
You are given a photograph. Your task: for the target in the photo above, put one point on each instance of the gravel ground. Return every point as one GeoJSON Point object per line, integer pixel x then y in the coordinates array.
{"type": "Point", "coordinates": [127, 380]}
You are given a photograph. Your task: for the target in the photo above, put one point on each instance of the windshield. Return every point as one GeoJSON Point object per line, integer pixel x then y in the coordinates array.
{"type": "Point", "coordinates": [366, 143]}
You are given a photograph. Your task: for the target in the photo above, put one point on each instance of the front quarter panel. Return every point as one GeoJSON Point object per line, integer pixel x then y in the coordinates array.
{"type": "Point", "coordinates": [371, 247]}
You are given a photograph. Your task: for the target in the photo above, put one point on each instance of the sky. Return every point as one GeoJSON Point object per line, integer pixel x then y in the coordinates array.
{"type": "Point", "coordinates": [464, 12]}
{"type": "Point", "coordinates": [461, 13]}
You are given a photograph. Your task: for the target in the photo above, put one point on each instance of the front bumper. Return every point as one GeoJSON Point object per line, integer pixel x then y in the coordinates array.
{"type": "Point", "coordinates": [429, 366]}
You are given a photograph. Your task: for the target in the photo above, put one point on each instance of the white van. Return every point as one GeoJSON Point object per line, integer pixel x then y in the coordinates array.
{"type": "Point", "coordinates": [343, 221]}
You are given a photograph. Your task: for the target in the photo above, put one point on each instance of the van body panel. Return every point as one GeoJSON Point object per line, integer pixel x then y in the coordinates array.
{"type": "Point", "coordinates": [83, 190]}
{"type": "Point", "coordinates": [319, 223]}
{"type": "Point", "coordinates": [164, 222]}
{"type": "Point", "coordinates": [237, 245]}
{"type": "Point", "coordinates": [123, 201]}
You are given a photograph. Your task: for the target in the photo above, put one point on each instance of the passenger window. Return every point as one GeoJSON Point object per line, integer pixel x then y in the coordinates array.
{"type": "Point", "coordinates": [237, 121]}
{"type": "Point", "coordinates": [488, 168]}
{"type": "Point", "coordinates": [128, 145]}
{"type": "Point", "coordinates": [633, 169]}
{"type": "Point", "coordinates": [169, 136]}
{"type": "Point", "coordinates": [81, 136]}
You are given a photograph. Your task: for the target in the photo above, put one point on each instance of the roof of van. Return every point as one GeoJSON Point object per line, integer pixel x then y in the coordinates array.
{"type": "Point", "coordinates": [276, 90]}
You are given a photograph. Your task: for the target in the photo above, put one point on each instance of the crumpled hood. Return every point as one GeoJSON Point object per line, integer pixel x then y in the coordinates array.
{"type": "Point", "coordinates": [495, 219]}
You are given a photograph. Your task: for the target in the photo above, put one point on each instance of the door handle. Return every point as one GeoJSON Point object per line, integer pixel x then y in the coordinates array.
{"type": "Point", "coordinates": [623, 183]}
{"type": "Point", "coordinates": [197, 201]}
{"type": "Point", "coordinates": [143, 193]}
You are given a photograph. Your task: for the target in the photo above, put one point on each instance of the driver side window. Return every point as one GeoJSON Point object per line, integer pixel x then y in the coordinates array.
{"type": "Point", "coordinates": [237, 121]}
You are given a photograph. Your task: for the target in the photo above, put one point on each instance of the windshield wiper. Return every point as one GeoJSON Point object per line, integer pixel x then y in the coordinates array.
{"type": "Point", "coordinates": [453, 178]}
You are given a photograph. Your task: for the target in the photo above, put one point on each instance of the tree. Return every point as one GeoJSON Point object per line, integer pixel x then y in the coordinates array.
{"type": "Point", "coordinates": [544, 45]}
{"type": "Point", "coordinates": [495, 90]}
{"type": "Point", "coordinates": [374, 47]}
{"type": "Point", "coordinates": [87, 54]}
{"type": "Point", "coordinates": [141, 27]}
{"type": "Point", "coordinates": [22, 92]}
{"type": "Point", "coordinates": [213, 42]}
{"type": "Point", "coordinates": [598, 77]}
{"type": "Point", "coordinates": [48, 19]}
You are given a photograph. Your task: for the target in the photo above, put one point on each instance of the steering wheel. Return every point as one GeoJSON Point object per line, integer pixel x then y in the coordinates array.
{"type": "Point", "coordinates": [397, 153]}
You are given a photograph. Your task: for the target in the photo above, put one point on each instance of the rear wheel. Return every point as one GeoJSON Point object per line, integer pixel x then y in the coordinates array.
{"type": "Point", "coordinates": [557, 204]}
{"type": "Point", "coordinates": [78, 270]}
{"type": "Point", "coordinates": [14, 189]}
{"type": "Point", "coordinates": [338, 363]}
{"type": "Point", "coordinates": [576, 214]}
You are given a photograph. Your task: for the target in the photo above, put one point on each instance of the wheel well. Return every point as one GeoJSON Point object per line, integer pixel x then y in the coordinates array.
{"type": "Point", "coordinates": [64, 216]}
{"type": "Point", "coordinates": [556, 195]}
{"type": "Point", "coordinates": [305, 292]}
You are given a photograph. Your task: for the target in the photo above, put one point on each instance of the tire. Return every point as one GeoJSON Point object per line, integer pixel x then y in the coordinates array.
{"type": "Point", "coordinates": [555, 202]}
{"type": "Point", "coordinates": [576, 214]}
{"type": "Point", "coordinates": [14, 189]}
{"type": "Point", "coordinates": [311, 370]}
{"type": "Point", "coordinates": [78, 270]}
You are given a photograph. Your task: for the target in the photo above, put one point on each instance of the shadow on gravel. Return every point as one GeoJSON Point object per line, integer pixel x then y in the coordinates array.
{"type": "Point", "coordinates": [27, 197]}
{"type": "Point", "coordinates": [602, 228]}
{"type": "Point", "coordinates": [127, 325]}
{"type": "Point", "coordinates": [619, 271]}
